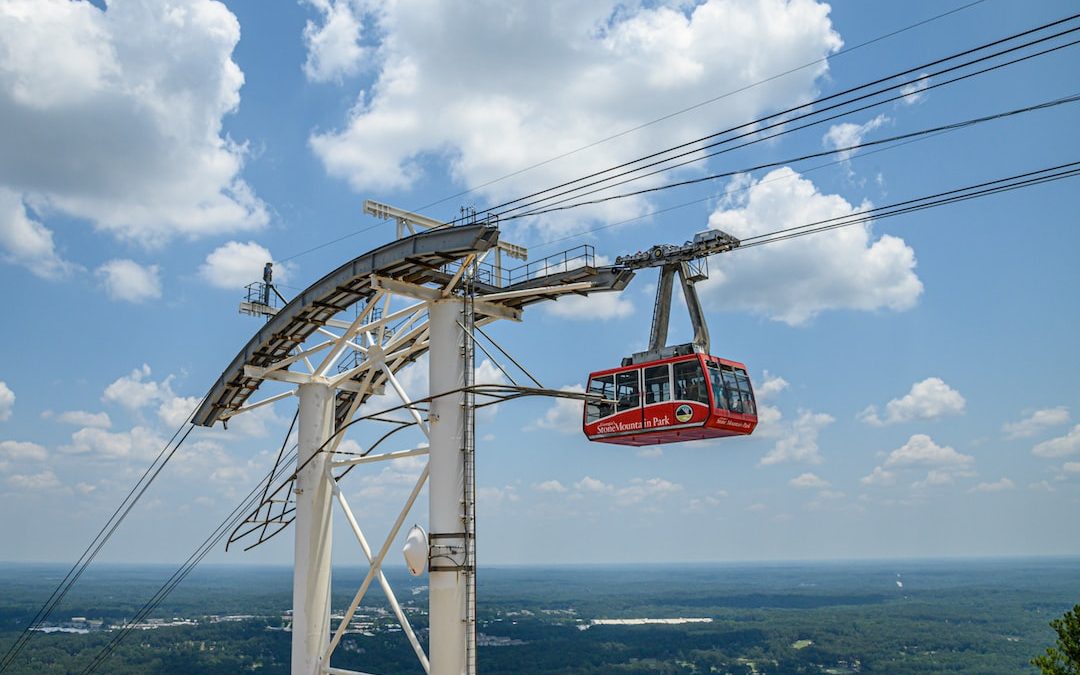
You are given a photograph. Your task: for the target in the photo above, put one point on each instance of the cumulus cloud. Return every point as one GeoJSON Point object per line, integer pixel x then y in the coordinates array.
{"type": "Point", "coordinates": [496, 496]}
{"type": "Point", "coordinates": [794, 281]}
{"type": "Point", "coordinates": [1036, 422]}
{"type": "Point", "coordinates": [333, 43]}
{"type": "Point", "coordinates": [878, 476]}
{"type": "Point", "coordinates": [550, 486]}
{"type": "Point", "coordinates": [1071, 467]}
{"type": "Point", "coordinates": [645, 490]}
{"type": "Point", "coordinates": [174, 410]}
{"type": "Point", "coordinates": [929, 399]}
{"type": "Point", "coordinates": [22, 451]}
{"type": "Point", "coordinates": [25, 241]}
{"type": "Point", "coordinates": [81, 418]}
{"type": "Point", "coordinates": [7, 401]}
{"type": "Point", "coordinates": [395, 479]}
{"type": "Point", "coordinates": [916, 91]}
{"type": "Point", "coordinates": [43, 480]}
{"type": "Point", "coordinates": [153, 78]}
{"type": "Point", "coordinates": [590, 484]}
{"type": "Point", "coordinates": [799, 441]}
{"type": "Point", "coordinates": [920, 450]}
{"type": "Point", "coordinates": [564, 415]}
{"type": "Point", "coordinates": [237, 264]}
{"type": "Point", "coordinates": [136, 443]}
{"type": "Point", "coordinates": [770, 386]}
{"type": "Point", "coordinates": [847, 134]}
{"type": "Point", "coordinates": [808, 481]}
{"type": "Point", "coordinates": [943, 464]}
{"type": "Point", "coordinates": [996, 486]}
{"type": "Point", "coordinates": [602, 306]}
{"type": "Point", "coordinates": [1062, 446]}
{"type": "Point", "coordinates": [129, 281]}
{"type": "Point", "coordinates": [135, 390]}
{"type": "Point", "coordinates": [610, 66]}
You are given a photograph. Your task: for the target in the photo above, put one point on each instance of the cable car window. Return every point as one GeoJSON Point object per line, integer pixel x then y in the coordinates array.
{"type": "Point", "coordinates": [717, 382]}
{"type": "Point", "coordinates": [601, 386]}
{"type": "Point", "coordinates": [657, 384]}
{"type": "Point", "coordinates": [745, 393]}
{"type": "Point", "coordinates": [628, 389]}
{"type": "Point", "coordinates": [731, 391]}
{"type": "Point", "coordinates": [690, 382]}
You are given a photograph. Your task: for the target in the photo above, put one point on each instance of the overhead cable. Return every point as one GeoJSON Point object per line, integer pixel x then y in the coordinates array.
{"type": "Point", "coordinates": [793, 160]}
{"type": "Point", "coordinates": [700, 104]}
{"type": "Point", "coordinates": [784, 123]}
{"type": "Point", "coordinates": [99, 541]}
{"type": "Point", "coordinates": [667, 116]}
{"type": "Point", "coordinates": [185, 569]}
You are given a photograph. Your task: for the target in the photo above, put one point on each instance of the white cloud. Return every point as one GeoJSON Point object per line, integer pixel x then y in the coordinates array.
{"type": "Point", "coordinates": [175, 410]}
{"type": "Point", "coordinates": [564, 415]}
{"type": "Point", "coordinates": [645, 490]}
{"type": "Point", "coordinates": [22, 451]}
{"type": "Point", "coordinates": [929, 399]}
{"type": "Point", "coordinates": [769, 417]}
{"type": "Point", "coordinates": [395, 479]}
{"type": "Point", "coordinates": [495, 496]}
{"type": "Point", "coordinates": [1071, 467]}
{"type": "Point", "coordinates": [799, 442]}
{"type": "Point", "coordinates": [43, 480]}
{"type": "Point", "coordinates": [795, 280]}
{"type": "Point", "coordinates": [596, 306]}
{"type": "Point", "coordinates": [944, 464]}
{"type": "Point", "coordinates": [878, 476]}
{"type": "Point", "coordinates": [236, 264]}
{"type": "Point", "coordinates": [129, 281]}
{"type": "Point", "coordinates": [808, 481]}
{"type": "Point", "coordinates": [916, 91]}
{"type": "Point", "coordinates": [650, 452]}
{"type": "Point", "coordinates": [583, 55]}
{"type": "Point", "coordinates": [137, 443]}
{"type": "Point", "coordinates": [7, 401]}
{"type": "Point", "coordinates": [1062, 446]}
{"type": "Point", "coordinates": [1041, 486]}
{"type": "Point", "coordinates": [550, 486]}
{"type": "Point", "coordinates": [134, 391]}
{"type": "Point", "coordinates": [81, 418]}
{"type": "Point", "coordinates": [590, 484]}
{"type": "Point", "coordinates": [1036, 422]}
{"type": "Point", "coordinates": [920, 450]}
{"type": "Point", "coordinates": [770, 386]}
{"type": "Point", "coordinates": [152, 78]}
{"type": "Point", "coordinates": [996, 486]}
{"type": "Point", "coordinates": [24, 241]}
{"type": "Point", "coordinates": [699, 505]}
{"type": "Point", "coordinates": [935, 477]}
{"type": "Point", "coordinates": [846, 134]}
{"type": "Point", "coordinates": [333, 44]}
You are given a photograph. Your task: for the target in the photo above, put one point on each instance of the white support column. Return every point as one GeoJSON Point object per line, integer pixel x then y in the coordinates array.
{"type": "Point", "coordinates": [446, 587]}
{"type": "Point", "coordinates": [311, 575]}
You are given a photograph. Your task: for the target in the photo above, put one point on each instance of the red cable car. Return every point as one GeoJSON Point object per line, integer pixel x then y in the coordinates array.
{"type": "Point", "coordinates": [683, 398]}
{"type": "Point", "coordinates": [672, 394]}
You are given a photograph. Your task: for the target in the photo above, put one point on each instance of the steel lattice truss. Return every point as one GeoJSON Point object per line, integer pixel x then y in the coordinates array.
{"type": "Point", "coordinates": [356, 328]}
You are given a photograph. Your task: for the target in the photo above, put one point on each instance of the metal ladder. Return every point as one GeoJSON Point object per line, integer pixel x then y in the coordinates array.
{"type": "Point", "coordinates": [469, 451]}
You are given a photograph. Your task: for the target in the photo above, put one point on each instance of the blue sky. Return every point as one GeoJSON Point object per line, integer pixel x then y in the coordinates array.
{"type": "Point", "coordinates": [918, 376]}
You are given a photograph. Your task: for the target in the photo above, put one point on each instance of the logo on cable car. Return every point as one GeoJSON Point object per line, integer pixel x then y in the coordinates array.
{"type": "Point", "coordinates": [683, 413]}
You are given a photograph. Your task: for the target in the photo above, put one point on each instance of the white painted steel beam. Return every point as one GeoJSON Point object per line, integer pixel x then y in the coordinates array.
{"type": "Point", "coordinates": [446, 496]}
{"type": "Point", "coordinates": [403, 620]}
{"type": "Point", "coordinates": [380, 458]}
{"type": "Point", "coordinates": [312, 545]}
{"type": "Point", "coordinates": [376, 564]}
